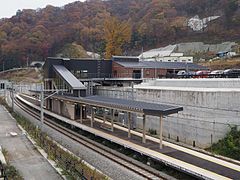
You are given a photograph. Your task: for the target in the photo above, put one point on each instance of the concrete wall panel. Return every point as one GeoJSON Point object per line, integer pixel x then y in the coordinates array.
{"type": "Point", "coordinates": [206, 116]}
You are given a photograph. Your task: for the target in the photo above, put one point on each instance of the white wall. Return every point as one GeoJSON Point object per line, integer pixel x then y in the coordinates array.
{"type": "Point", "coordinates": [207, 112]}
{"type": "Point", "coordinates": [188, 59]}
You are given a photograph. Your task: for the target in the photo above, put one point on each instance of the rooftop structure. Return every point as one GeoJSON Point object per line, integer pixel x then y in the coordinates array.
{"type": "Point", "coordinates": [74, 75]}
{"type": "Point", "coordinates": [68, 77]}
{"type": "Point", "coordinates": [161, 65]}
{"type": "Point", "coordinates": [165, 54]}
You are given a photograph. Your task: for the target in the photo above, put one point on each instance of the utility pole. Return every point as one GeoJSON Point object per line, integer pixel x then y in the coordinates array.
{"type": "Point", "coordinates": [5, 84]}
{"type": "Point", "coordinates": [42, 102]}
{"type": "Point", "coordinates": [155, 69]}
{"type": "Point", "coordinates": [12, 97]}
{"type": "Point", "coordinates": [27, 61]}
{"type": "Point", "coordinates": [3, 68]}
{"type": "Point", "coordinates": [132, 85]}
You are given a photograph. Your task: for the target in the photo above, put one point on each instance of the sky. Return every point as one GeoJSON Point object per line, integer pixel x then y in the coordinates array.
{"type": "Point", "coordinates": [8, 8]}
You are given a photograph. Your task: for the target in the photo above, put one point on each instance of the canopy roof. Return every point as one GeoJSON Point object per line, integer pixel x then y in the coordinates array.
{"type": "Point", "coordinates": [68, 77]}
{"type": "Point", "coordinates": [153, 109]}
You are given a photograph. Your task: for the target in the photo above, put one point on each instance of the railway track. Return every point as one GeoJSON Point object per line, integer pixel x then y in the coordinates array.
{"type": "Point", "coordinates": [147, 173]}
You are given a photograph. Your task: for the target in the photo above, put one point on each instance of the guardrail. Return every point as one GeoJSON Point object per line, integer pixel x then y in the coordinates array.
{"type": "Point", "coordinates": [15, 69]}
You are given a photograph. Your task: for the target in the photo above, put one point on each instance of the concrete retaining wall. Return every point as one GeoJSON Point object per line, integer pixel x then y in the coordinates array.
{"type": "Point", "coordinates": [197, 83]}
{"type": "Point", "coordinates": [207, 113]}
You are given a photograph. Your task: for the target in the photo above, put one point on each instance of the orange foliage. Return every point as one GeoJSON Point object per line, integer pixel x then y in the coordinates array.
{"type": "Point", "coordinates": [36, 34]}
{"type": "Point", "coordinates": [116, 33]}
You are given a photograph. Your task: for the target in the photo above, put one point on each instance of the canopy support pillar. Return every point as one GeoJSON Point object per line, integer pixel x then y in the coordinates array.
{"type": "Point", "coordinates": [144, 129]}
{"type": "Point", "coordinates": [129, 124]}
{"type": "Point", "coordinates": [112, 118]}
{"type": "Point", "coordinates": [81, 113]}
{"type": "Point", "coordinates": [161, 130]}
{"type": "Point", "coordinates": [104, 115]}
{"type": "Point", "coordinates": [92, 116]}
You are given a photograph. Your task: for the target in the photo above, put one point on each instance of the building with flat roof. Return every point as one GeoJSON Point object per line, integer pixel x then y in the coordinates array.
{"type": "Point", "coordinates": [129, 67]}
{"type": "Point", "coordinates": [74, 76]}
{"type": "Point", "coordinates": [165, 54]}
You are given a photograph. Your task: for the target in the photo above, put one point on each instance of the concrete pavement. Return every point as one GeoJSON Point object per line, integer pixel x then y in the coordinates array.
{"type": "Point", "coordinates": [22, 154]}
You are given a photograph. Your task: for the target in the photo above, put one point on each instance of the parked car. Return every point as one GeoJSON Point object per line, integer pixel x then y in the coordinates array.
{"type": "Point", "coordinates": [184, 74]}
{"type": "Point", "coordinates": [216, 74]}
{"type": "Point", "coordinates": [231, 73]}
{"type": "Point", "coordinates": [202, 74]}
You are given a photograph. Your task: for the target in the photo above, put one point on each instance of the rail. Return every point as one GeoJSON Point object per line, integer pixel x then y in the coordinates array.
{"type": "Point", "coordinates": [97, 147]}
{"type": "Point", "coordinates": [193, 168]}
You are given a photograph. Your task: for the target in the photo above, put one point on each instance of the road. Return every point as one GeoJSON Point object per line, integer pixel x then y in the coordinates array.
{"type": "Point", "coordinates": [22, 154]}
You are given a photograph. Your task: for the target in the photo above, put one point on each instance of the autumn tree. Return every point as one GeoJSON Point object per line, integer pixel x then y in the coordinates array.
{"type": "Point", "coordinates": [116, 34]}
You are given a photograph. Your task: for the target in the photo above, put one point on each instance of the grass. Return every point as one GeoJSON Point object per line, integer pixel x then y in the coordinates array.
{"type": "Point", "coordinates": [71, 165]}
{"type": "Point", "coordinates": [23, 75]}
{"type": "Point", "coordinates": [229, 146]}
{"type": "Point", "coordinates": [10, 171]}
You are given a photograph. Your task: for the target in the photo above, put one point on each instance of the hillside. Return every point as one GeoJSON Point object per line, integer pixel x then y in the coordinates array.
{"type": "Point", "coordinates": [36, 34]}
{"type": "Point", "coordinates": [233, 63]}
{"type": "Point", "coordinates": [72, 50]}
{"type": "Point", "coordinates": [30, 75]}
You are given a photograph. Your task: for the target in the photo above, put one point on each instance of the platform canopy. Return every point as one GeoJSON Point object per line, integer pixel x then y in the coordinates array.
{"type": "Point", "coordinates": [153, 109]}
{"type": "Point", "coordinates": [68, 77]}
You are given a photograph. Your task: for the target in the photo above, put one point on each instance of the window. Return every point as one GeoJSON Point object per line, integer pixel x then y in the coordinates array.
{"type": "Point", "coordinates": [84, 74]}
{"type": "Point", "coordinates": [2, 86]}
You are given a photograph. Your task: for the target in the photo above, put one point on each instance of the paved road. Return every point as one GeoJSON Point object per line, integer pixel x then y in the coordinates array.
{"type": "Point", "coordinates": [22, 153]}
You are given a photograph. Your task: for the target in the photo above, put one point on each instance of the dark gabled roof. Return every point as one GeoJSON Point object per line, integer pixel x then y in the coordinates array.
{"type": "Point", "coordinates": [153, 109]}
{"type": "Point", "coordinates": [68, 77]}
{"type": "Point", "coordinates": [161, 65]}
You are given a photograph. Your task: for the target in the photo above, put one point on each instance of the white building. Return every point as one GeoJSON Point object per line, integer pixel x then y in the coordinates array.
{"type": "Point", "coordinates": [165, 54]}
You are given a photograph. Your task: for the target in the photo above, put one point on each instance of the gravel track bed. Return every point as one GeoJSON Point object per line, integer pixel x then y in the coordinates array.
{"type": "Point", "coordinates": [108, 167]}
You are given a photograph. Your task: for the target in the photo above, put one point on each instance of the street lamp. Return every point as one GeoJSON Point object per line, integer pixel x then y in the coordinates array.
{"type": "Point", "coordinates": [12, 97]}
{"type": "Point", "coordinates": [3, 66]}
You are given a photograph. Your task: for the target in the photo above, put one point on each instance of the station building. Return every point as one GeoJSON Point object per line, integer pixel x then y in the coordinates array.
{"type": "Point", "coordinates": [66, 93]}
{"type": "Point", "coordinates": [79, 77]}
{"type": "Point", "coordinates": [120, 69]}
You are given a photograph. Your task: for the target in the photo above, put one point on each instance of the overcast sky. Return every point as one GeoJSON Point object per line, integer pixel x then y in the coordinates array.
{"type": "Point", "coordinates": [8, 8]}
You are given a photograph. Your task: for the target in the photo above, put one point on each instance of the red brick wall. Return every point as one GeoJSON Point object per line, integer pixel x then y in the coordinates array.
{"type": "Point", "coordinates": [150, 73]}
{"type": "Point", "coordinates": [123, 72]}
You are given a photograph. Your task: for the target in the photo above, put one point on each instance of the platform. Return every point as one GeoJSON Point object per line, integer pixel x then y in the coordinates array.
{"type": "Point", "coordinates": [190, 161]}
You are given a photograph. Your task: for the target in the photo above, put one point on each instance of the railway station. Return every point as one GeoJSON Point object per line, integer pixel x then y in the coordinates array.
{"type": "Point", "coordinates": [75, 104]}
{"type": "Point", "coordinates": [76, 109]}
{"type": "Point", "coordinates": [120, 89]}
{"type": "Point", "coordinates": [198, 164]}
{"type": "Point", "coordinates": [67, 99]}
